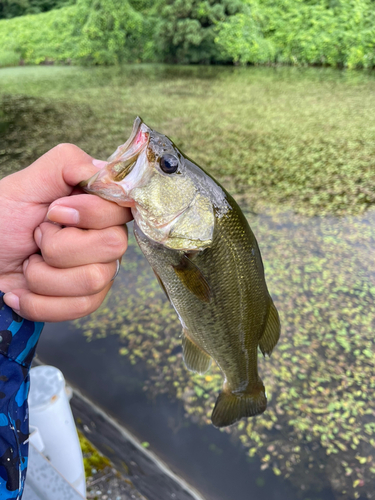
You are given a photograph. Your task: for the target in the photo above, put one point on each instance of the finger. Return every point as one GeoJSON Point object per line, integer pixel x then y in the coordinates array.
{"type": "Point", "coordinates": [41, 308]}
{"type": "Point", "coordinates": [72, 282]}
{"type": "Point", "coordinates": [53, 175]}
{"type": "Point", "coordinates": [70, 247]}
{"type": "Point", "coordinates": [88, 211]}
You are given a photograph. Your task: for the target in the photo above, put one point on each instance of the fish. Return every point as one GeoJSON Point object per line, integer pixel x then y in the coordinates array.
{"type": "Point", "coordinates": [206, 259]}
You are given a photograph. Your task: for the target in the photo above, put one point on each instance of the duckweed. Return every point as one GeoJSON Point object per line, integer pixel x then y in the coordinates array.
{"type": "Point", "coordinates": [320, 380]}
{"type": "Point", "coordinates": [296, 147]}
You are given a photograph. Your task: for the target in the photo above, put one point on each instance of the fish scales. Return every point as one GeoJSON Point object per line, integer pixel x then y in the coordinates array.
{"type": "Point", "coordinates": [206, 259]}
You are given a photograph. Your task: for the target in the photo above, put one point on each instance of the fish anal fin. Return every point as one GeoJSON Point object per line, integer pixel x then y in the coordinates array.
{"type": "Point", "coordinates": [161, 284]}
{"type": "Point", "coordinates": [190, 275]}
{"type": "Point", "coordinates": [271, 333]}
{"type": "Point", "coordinates": [195, 358]}
{"type": "Point", "coordinates": [231, 407]}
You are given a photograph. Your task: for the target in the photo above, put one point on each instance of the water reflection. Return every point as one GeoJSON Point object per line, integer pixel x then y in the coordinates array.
{"type": "Point", "coordinates": [318, 427]}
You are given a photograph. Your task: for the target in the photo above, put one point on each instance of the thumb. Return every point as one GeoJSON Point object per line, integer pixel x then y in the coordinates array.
{"type": "Point", "coordinates": [53, 175]}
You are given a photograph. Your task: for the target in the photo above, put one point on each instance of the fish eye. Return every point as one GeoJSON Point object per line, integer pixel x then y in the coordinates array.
{"type": "Point", "coordinates": [168, 164]}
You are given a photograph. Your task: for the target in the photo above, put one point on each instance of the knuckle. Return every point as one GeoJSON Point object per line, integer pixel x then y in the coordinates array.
{"type": "Point", "coordinates": [31, 309]}
{"type": "Point", "coordinates": [49, 250]}
{"type": "Point", "coordinates": [116, 239]}
{"type": "Point", "coordinates": [65, 148]}
{"type": "Point", "coordinates": [34, 273]}
{"type": "Point", "coordinates": [84, 305]}
{"type": "Point", "coordinates": [95, 278]}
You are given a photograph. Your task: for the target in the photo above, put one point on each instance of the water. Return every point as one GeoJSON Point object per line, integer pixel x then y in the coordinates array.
{"type": "Point", "coordinates": [316, 439]}
{"type": "Point", "coordinates": [143, 398]}
{"type": "Point", "coordinates": [208, 459]}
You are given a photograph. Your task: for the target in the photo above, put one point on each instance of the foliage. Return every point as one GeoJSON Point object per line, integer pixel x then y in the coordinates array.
{"type": "Point", "coordinates": [112, 32]}
{"type": "Point", "coordinates": [299, 32]}
{"type": "Point", "coordinates": [13, 8]}
{"type": "Point", "coordinates": [337, 33]}
{"type": "Point", "coordinates": [9, 58]}
{"type": "Point", "coordinates": [100, 32]}
{"type": "Point", "coordinates": [51, 36]}
{"type": "Point", "coordinates": [186, 31]}
{"type": "Point", "coordinates": [241, 38]}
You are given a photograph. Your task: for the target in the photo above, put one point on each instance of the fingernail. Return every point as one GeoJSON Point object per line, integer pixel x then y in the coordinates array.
{"type": "Point", "coordinates": [38, 236]}
{"type": "Point", "coordinates": [63, 215]}
{"type": "Point", "coordinates": [24, 266]}
{"type": "Point", "coordinates": [12, 301]}
{"type": "Point", "coordinates": [117, 269]}
{"type": "Point", "coordinates": [99, 163]}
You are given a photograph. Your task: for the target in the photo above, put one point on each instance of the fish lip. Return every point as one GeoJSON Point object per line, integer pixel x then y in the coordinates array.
{"type": "Point", "coordinates": [138, 122]}
{"type": "Point", "coordinates": [126, 154]}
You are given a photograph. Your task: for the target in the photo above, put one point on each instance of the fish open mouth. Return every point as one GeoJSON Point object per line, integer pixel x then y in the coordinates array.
{"type": "Point", "coordinates": [120, 163]}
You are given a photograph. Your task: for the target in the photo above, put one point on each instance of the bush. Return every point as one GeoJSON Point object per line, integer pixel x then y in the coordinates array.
{"type": "Point", "coordinates": [39, 38]}
{"type": "Point", "coordinates": [100, 32]}
{"type": "Point", "coordinates": [112, 32]}
{"type": "Point", "coordinates": [300, 32]}
{"type": "Point", "coordinates": [186, 31]}
{"type": "Point", "coordinates": [241, 38]}
{"type": "Point", "coordinates": [335, 33]}
{"type": "Point", "coordinates": [9, 58]}
{"type": "Point", "coordinates": [13, 8]}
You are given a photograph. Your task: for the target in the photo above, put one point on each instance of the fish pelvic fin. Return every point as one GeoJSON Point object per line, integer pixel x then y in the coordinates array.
{"type": "Point", "coordinates": [190, 275]}
{"type": "Point", "coordinates": [271, 333]}
{"type": "Point", "coordinates": [195, 358]}
{"type": "Point", "coordinates": [231, 407]}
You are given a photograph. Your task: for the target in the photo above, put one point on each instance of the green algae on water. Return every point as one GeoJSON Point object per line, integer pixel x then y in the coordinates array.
{"type": "Point", "coordinates": [297, 147]}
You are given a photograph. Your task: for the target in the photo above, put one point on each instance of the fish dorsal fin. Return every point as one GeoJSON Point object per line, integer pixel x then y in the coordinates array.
{"type": "Point", "coordinates": [190, 275]}
{"type": "Point", "coordinates": [161, 284]}
{"type": "Point", "coordinates": [195, 358]}
{"type": "Point", "coordinates": [271, 333]}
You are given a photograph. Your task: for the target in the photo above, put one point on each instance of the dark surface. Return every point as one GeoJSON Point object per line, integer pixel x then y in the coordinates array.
{"type": "Point", "coordinates": [133, 463]}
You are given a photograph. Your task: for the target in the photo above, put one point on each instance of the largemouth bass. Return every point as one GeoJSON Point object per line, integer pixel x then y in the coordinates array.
{"type": "Point", "coordinates": [206, 259]}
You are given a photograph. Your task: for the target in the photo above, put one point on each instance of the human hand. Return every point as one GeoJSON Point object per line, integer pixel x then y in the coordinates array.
{"type": "Point", "coordinates": [50, 272]}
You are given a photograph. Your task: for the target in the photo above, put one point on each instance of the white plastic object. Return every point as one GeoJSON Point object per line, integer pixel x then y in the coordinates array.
{"type": "Point", "coordinates": [36, 439]}
{"type": "Point", "coordinates": [50, 412]}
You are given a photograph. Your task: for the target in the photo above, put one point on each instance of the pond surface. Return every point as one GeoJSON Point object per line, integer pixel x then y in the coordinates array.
{"type": "Point", "coordinates": [316, 439]}
{"type": "Point", "coordinates": [322, 275]}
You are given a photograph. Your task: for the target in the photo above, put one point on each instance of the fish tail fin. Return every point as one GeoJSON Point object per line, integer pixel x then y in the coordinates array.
{"type": "Point", "coordinates": [231, 407]}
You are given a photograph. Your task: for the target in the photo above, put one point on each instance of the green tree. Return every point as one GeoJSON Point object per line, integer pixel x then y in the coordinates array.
{"type": "Point", "coordinates": [111, 32]}
{"type": "Point", "coordinates": [300, 32]}
{"type": "Point", "coordinates": [186, 30]}
{"type": "Point", "coordinates": [15, 8]}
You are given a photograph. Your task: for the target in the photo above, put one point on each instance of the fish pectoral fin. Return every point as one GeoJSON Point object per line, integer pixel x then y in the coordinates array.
{"type": "Point", "coordinates": [161, 284]}
{"type": "Point", "coordinates": [231, 407]}
{"type": "Point", "coordinates": [190, 275]}
{"type": "Point", "coordinates": [271, 333]}
{"type": "Point", "coordinates": [195, 358]}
